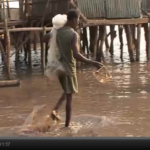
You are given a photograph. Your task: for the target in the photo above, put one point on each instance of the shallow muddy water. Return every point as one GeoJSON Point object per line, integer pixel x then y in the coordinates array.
{"type": "Point", "coordinates": [118, 108]}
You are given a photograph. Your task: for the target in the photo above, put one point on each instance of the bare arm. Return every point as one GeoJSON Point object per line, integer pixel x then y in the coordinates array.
{"type": "Point", "coordinates": [47, 37]}
{"type": "Point", "coordinates": [78, 55]}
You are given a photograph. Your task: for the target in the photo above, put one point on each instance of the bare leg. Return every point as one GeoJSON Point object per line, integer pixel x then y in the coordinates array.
{"type": "Point", "coordinates": [54, 114]}
{"type": "Point", "coordinates": [59, 103]}
{"type": "Point", "coordinates": [68, 109]}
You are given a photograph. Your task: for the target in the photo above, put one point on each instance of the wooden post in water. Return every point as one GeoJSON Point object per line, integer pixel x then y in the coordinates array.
{"type": "Point", "coordinates": [112, 33]}
{"type": "Point", "coordinates": [46, 51]}
{"type": "Point", "coordinates": [28, 48]}
{"type": "Point", "coordinates": [35, 42]}
{"type": "Point", "coordinates": [133, 31]}
{"type": "Point", "coordinates": [85, 41]}
{"type": "Point", "coordinates": [129, 41]}
{"type": "Point", "coordinates": [41, 43]}
{"type": "Point", "coordinates": [103, 37]}
{"type": "Point", "coordinates": [16, 46]}
{"type": "Point", "coordinates": [121, 40]}
{"type": "Point", "coordinates": [148, 43]}
{"type": "Point", "coordinates": [138, 42]}
{"type": "Point", "coordinates": [147, 37]}
{"type": "Point", "coordinates": [42, 49]}
{"type": "Point", "coordinates": [100, 43]}
{"type": "Point", "coordinates": [7, 40]}
{"type": "Point", "coordinates": [106, 41]}
{"type": "Point", "coordinates": [93, 40]}
{"type": "Point", "coordinates": [98, 57]}
{"type": "Point", "coordinates": [145, 25]}
{"type": "Point", "coordinates": [25, 52]}
{"type": "Point", "coordinates": [3, 53]}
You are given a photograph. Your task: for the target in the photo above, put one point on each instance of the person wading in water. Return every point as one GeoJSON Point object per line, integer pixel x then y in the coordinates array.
{"type": "Point", "coordinates": [68, 44]}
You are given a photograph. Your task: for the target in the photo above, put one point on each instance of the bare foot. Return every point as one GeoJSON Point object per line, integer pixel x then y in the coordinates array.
{"type": "Point", "coordinates": [55, 116]}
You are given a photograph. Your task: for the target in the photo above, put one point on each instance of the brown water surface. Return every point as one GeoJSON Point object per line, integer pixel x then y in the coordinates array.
{"type": "Point", "coordinates": [118, 108]}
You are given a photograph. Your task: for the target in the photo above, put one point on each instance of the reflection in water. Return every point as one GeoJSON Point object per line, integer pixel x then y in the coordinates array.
{"type": "Point", "coordinates": [118, 108]}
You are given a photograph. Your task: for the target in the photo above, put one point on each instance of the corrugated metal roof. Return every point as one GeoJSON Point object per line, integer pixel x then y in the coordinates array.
{"type": "Point", "coordinates": [146, 5]}
{"type": "Point", "coordinates": [92, 8]}
{"type": "Point", "coordinates": [123, 8]}
{"type": "Point", "coordinates": [110, 8]}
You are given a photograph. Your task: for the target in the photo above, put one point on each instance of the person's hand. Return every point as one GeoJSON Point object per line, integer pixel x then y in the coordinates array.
{"type": "Point", "coordinates": [97, 64]}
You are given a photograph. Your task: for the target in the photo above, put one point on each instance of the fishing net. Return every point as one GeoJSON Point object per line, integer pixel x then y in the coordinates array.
{"type": "Point", "coordinates": [54, 67]}
{"type": "Point", "coordinates": [38, 120]}
{"type": "Point", "coordinates": [102, 75]}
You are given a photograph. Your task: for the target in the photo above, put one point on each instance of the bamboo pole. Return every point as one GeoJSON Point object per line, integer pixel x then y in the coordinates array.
{"type": "Point", "coordinates": [7, 39]}
{"type": "Point", "coordinates": [138, 42]}
{"type": "Point", "coordinates": [8, 54]}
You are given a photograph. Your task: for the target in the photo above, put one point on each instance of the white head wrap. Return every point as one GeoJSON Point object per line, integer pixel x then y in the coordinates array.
{"type": "Point", "coordinates": [59, 21]}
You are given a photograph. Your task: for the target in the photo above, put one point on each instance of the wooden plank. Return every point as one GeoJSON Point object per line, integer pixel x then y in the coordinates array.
{"type": "Point", "coordinates": [27, 29]}
{"type": "Point", "coordinates": [9, 83]}
{"type": "Point", "coordinates": [116, 22]}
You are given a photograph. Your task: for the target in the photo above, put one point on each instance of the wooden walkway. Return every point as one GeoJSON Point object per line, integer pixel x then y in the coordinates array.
{"type": "Point", "coordinates": [93, 22]}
